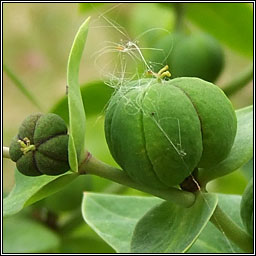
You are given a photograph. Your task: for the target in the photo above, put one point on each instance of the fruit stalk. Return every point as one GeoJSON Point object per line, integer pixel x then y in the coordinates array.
{"type": "Point", "coordinates": [232, 230]}
{"type": "Point", "coordinates": [95, 167]}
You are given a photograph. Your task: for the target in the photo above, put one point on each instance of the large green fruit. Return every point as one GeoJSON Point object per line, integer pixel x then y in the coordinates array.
{"type": "Point", "coordinates": [160, 132]}
{"type": "Point", "coordinates": [41, 146]}
{"type": "Point", "coordinates": [195, 55]}
{"type": "Point", "coordinates": [246, 209]}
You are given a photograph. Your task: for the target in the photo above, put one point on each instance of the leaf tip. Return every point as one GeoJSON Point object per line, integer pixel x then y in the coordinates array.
{"type": "Point", "coordinates": [85, 193]}
{"type": "Point", "coordinates": [87, 20]}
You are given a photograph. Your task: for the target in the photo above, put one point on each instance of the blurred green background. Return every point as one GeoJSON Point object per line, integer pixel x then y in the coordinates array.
{"type": "Point", "coordinates": [36, 41]}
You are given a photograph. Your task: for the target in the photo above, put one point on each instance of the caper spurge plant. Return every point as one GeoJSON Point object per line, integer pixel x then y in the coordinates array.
{"type": "Point", "coordinates": [170, 131]}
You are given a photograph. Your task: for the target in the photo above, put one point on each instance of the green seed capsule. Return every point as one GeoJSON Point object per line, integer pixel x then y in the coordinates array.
{"type": "Point", "coordinates": [196, 55]}
{"type": "Point", "coordinates": [41, 146]}
{"type": "Point", "coordinates": [160, 132]}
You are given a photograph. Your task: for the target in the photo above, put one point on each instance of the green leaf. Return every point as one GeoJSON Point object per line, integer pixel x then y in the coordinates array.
{"type": "Point", "coordinates": [246, 209]}
{"type": "Point", "coordinates": [52, 187]}
{"type": "Point", "coordinates": [242, 150]}
{"type": "Point", "coordinates": [231, 23]}
{"type": "Point", "coordinates": [21, 86]}
{"type": "Point", "coordinates": [96, 142]}
{"type": "Point", "coordinates": [239, 80]}
{"type": "Point", "coordinates": [114, 217]}
{"type": "Point", "coordinates": [28, 190]}
{"type": "Point", "coordinates": [247, 170]}
{"type": "Point", "coordinates": [75, 103]}
{"type": "Point", "coordinates": [232, 183]}
{"type": "Point", "coordinates": [84, 244]}
{"type": "Point", "coordinates": [23, 235]}
{"type": "Point", "coordinates": [84, 240]}
{"type": "Point", "coordinates": [169, 228]}
{"type": "Point", "coordinates": [72, 154]}
{"type": "Point", "coordinates": [211, 240]}
{"type": "Point", "coordinates": [86, 7]}
{"type": "Point", "coordinates": [70, 197]}
{"type": "Point", "coordinates": [90, 91]}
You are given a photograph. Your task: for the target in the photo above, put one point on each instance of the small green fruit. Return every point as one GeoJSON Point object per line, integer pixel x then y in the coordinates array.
{"type": "Point", "coordinates": [246, 209]}
{"type": "Point", "coordinates": [195, 55]}
{"type": "Point", "coordinates": [160, 132]}
{"type": "Point", "coordinates": [41, 146]}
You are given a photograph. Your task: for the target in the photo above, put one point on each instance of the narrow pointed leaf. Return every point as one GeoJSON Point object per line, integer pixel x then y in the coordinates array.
{"type": "Point", "coordinates": [75, 103]}
{"type": "Point", "coordinates": [17, 82]}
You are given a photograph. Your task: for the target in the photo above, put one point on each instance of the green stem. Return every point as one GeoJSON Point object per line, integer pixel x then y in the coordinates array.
{"type": "Point", "coordinates": [75, 219]}
{"type": "Point", "coordinates": [239, 81]}
{"type": "Point", "coordinates": [96, 167]}
{"type": "Point", "coordinates": [21, 86]}
{"type": "Point", "coordinates": [179, 9]}
{"type": "Point", "coordinates": [232, 230]}
{"type": "Point", "coordinates": [6, 152]}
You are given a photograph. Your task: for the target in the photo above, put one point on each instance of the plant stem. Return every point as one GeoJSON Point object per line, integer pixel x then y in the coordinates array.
{"type": "Point", "coordinates": [239, 81]}
{"type": "Point", "coordinates": [95, 167]}
{"type": "Point", "coordinates": [179, 10]}
{"type": "Point", "coordinates": [6, 152]}
{"type": "Point", "coordinates": [74, 220]}
{"type": "Point", "coordinates": [232, 230]}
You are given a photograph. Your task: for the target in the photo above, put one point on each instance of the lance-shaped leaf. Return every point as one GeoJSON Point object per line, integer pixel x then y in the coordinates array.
{"type": "Point", "coordinates": [17, 82]}
{"type": "Point", "coordinates": [75, 103]}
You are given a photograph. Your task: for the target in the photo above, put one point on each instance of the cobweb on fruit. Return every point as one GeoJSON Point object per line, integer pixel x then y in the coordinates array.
{"type": "Point", "coordinates": [123, 60]}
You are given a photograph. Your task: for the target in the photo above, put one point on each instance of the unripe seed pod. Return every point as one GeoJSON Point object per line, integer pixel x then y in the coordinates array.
{"type": "Point", "coordinates": [160, 132]}
{"type": "Point", "coordinates": [196, 55]}
{"type": "Point", "coordinates": [246, 209]}
{"type": "Point", "coordinates": [41, 146]}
